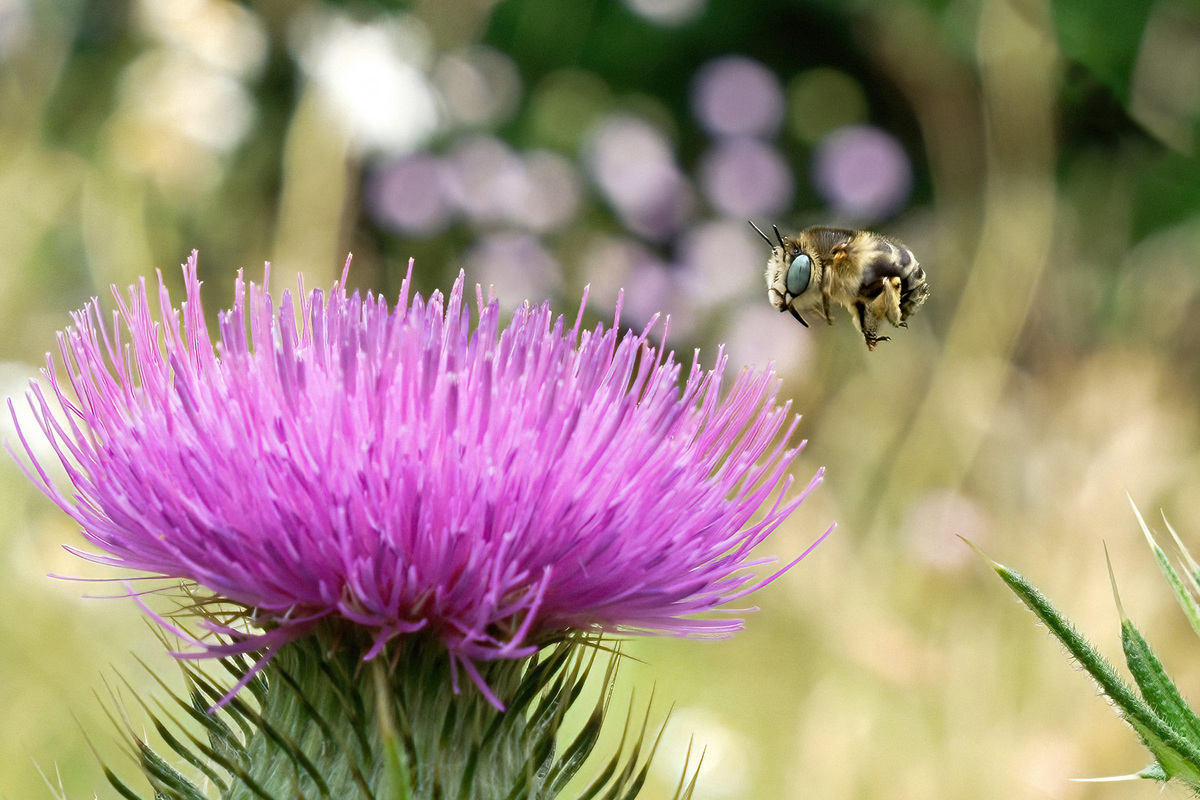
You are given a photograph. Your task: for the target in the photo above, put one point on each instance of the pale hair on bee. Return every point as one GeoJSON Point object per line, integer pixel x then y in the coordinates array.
{"type": "Point", "coordinates": [875, 278]}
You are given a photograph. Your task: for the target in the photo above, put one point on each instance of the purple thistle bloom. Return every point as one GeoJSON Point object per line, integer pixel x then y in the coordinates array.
{"type": "Point", "coordinates": [398, 470]}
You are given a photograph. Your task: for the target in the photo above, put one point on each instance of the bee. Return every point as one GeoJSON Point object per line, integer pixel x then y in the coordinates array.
{"type": "Point", "coordinates": [873, 277]}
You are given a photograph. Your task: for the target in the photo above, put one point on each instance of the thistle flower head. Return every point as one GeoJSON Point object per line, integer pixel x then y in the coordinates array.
{"type": "Point", "coordinates": [398, 469]}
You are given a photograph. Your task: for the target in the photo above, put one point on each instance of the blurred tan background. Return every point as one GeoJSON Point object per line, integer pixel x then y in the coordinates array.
{"type": "Point", "coordinates": [1037, 157]}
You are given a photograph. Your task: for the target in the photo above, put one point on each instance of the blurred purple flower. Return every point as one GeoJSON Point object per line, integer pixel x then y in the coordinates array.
{"type": "Point", "coordinates": [737, 96]}
{"type": "Point", "coordinates": [403, 471]}
{"type": "Point", "coordinates": [412, 194]}
{"type": "Point", "coordinates": [633, 163]}
{"type": "Point", "coordinates": [744, 177]}
{"type": "Point", "coordinates": [862, 172]}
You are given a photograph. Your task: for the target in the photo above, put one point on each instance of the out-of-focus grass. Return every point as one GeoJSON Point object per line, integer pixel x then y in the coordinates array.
{"type": "Point", "coordinates": [891, 663]}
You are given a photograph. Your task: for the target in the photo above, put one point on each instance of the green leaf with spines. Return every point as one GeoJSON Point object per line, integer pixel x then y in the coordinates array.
{"type": "Point", "coordinates": [1170, 760]}
{"type": "Point", "coordinates": [1162, 740]}
{"type": "Point", "coordinates": [1193, 569]}
{"type": "Point", "coordinates": [1184, 594]}
{"type": "Point", "coordinates": [1157, 687]}
{"type": "Point", "coordinates": [625, 775]}
{"type": "Point", "coordinates": [1087, 656]}
{"type": "Point", "coordinates": [1160, 716]}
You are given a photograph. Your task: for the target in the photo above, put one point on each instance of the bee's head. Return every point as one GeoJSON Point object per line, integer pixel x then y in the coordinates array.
{"type": "Point", "coordinates": [795, 265]}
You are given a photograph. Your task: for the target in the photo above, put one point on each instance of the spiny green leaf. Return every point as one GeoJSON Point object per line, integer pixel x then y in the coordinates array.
{"type": "Point", "coordinates": [1192, 573]}
{"type": "Point", "coordinates": [335, 735]}
{"type": "Point", "coordinates": [1183, 593]}
{"type": "Point", "coordinates": [172, 741]}
{"type": "Point", "coordinates": [1132, 707]}
{"type": "Point", "coordinates": [602, 779]}
{"type": "Point", "coordinates": [1171, 763]}
{"type": "Point", "coordinates": [225, 749]}
{"type": "Point", "coordinates": [1158, 689]}
{"type": "Point", "coordinates": [284, 743]}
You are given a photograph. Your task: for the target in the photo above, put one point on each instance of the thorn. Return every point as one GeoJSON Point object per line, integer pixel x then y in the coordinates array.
{"type": "Point", "coordinates": [980, 553]}
{"type": "Point", "coordinates": [1112, 579]}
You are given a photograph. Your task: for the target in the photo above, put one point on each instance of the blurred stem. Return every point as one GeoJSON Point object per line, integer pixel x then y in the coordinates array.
{"type": "Point", "coordinates": [39, 184]}
{"type": "Point", "coordinates": [316, 194]}
{"type": "Point", "coordinates": [457, 24]}
{"type": "Point", "coordinates": [1018, 79]}
{"type": "Point", "coordinates": [943, 90]}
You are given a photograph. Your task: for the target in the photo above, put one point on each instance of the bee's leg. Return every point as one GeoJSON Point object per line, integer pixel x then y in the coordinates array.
{"type": "Point", "coordinates": [825, 288]}
{"type": "Point", "coordinates": [872, 342]}
{"type": "Point", "coordinates": [872, 338]}
{"type": "Point", "coordinates": [885, 305]}
{"type": "Point", "coordinates": [796, 314]}
{"type": "Point", "coordinates": [868, 324]}
{"type": "Point", "coordinates": [889, 299]}
{"type": "Point", "coordinates": [827, 283]}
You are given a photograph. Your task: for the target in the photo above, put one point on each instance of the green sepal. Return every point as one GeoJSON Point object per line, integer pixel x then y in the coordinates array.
{"type": "Point", "coordinates": [120, 786]}
{"type": "Point", "coordinates": [318, 722]}
{"type": "Point", "coordinates": [397, 779]}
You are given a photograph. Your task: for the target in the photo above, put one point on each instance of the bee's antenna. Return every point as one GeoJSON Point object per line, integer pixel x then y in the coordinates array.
{"type": "Point", "coordinates": [778, 236]}
{"type": "Point", "coordinates": [760, 233]}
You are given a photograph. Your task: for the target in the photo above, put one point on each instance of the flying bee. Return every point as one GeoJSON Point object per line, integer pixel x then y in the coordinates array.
{"type": "Point", "coordinates": [873, 277]}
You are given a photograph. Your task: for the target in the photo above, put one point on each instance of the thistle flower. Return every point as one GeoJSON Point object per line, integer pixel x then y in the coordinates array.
{"type": "Point", "coordinates": [353, 476]}
{"type": "Point", "coordinates": [400, 471]}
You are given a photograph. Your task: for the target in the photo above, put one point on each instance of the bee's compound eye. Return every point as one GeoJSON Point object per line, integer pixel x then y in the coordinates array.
{"type": "Point", "coordinates": [798, 275]}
